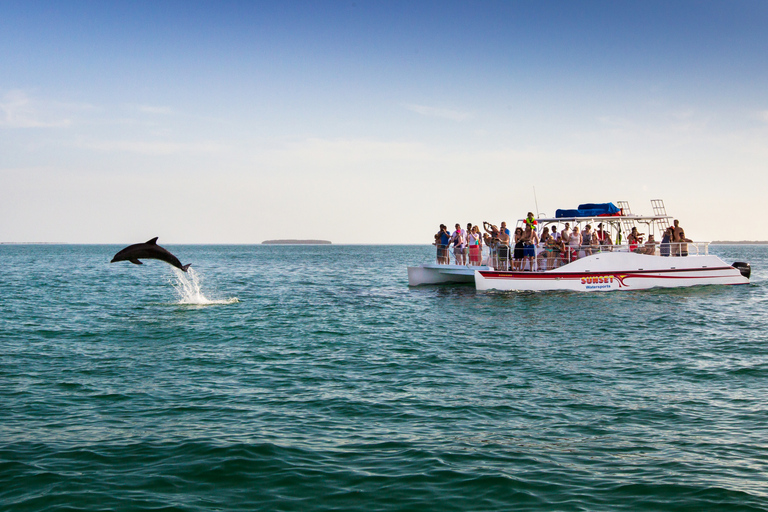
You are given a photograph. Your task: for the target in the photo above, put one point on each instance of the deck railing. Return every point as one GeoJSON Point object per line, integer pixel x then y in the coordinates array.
{"type": "Point", "coordinates": [502, 257]}
{"type": "Point", "coordinates": [468, 256]}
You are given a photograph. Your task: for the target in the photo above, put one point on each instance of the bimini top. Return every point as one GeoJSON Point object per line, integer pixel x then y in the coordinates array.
{"type": "Point", "coordinates": [590, 210]}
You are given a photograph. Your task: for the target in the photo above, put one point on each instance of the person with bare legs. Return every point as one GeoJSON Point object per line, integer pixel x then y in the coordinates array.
{"type": "Point", "coordinates": [442, 241]}
{"type": "Point", "coordinates": [459, 242]}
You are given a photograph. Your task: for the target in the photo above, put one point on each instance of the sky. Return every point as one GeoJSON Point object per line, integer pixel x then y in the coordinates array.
{"type": "Point", "coordinates": [374, 122]}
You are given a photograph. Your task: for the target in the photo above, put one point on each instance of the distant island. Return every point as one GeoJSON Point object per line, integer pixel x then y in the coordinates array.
{"type": "Point", "coordinates": [296, 242]}
{"type": "Point", "coordinates": [741, 242]}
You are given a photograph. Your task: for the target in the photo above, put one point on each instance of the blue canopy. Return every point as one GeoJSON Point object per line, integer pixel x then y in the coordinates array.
{"type": "Point", "coordinates": [590, 210]}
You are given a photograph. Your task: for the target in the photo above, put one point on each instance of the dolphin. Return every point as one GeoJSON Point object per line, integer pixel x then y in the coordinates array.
{"type": "Point", "coordinates": [148, 250]}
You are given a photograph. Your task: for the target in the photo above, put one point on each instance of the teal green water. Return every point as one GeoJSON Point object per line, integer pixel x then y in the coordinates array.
{"type": "Point", "coordinates": [313, 378]}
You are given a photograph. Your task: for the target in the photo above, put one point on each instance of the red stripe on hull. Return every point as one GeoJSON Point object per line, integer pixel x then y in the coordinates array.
{"type": "Point", "coordinates": [500, 274]}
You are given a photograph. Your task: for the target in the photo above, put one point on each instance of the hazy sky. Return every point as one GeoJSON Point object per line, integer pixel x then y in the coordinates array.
{"type": "Point", "coordinates": [373, 122]}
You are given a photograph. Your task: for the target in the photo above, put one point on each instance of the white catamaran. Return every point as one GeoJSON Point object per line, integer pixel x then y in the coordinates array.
{"type": "Point", "coordinates": [589, 266]}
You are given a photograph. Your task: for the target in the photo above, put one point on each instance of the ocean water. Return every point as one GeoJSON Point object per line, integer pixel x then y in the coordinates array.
{"type": "Point", "coordinates": [313, 378]}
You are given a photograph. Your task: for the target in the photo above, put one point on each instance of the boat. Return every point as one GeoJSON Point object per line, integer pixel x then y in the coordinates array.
{"type": "Point", "coordinates": [616, 266]}
{"type": "Point", "coordinates": [605, 266]}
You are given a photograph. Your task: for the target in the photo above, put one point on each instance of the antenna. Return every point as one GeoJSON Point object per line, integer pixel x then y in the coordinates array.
{"type": "Point", "coordinates": [535, 201]}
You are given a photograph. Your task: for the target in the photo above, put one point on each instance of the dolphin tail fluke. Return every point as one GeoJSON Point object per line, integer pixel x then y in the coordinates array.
{"type": "Point", "coordinates": [185, 267]}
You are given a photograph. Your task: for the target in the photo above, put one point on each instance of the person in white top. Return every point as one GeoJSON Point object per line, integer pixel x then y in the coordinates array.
{"type": "Point", "coordinates": [574, 242]}
{"type": "Point", "coordinates": [554, 233]}
{"type": "Point", "coordinates": [474, 241]}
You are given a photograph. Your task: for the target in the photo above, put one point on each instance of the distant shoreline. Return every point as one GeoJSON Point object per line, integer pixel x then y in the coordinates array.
{"type": "Point", "coordinates": [741, 242]}
{"type": "Point", "coordinates": [296, 242]}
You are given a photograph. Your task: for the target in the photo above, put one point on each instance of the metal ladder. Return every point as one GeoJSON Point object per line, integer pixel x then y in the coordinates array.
{"type": "Point", "coordinates": [659, 210]}
{"type": "Point", "coordinates": [626, 223]}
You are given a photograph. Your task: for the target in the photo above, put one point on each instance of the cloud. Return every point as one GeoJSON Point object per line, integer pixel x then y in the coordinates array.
{"type": "Point", "coordinates": [150, 109]}
{"type": "Point", "coordinates": [405, 158]}
{"type": "Point", "coordinates": [17, 110]}
{"type": "Point", "coordinates": [153, 147]}
{"type": "Point", "coordinates": [443, 113]}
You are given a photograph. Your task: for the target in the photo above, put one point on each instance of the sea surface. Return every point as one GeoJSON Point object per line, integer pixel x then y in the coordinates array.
{"type": "Point", "coordinates": [312, 378]}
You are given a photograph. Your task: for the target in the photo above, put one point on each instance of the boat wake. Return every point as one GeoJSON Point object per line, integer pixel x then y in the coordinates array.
{"type": "Point", "coordinates": [188, 288]}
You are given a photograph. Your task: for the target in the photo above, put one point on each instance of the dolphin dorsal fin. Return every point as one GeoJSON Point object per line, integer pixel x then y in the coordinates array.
{"type": "Point", "coordinates": [153, 241]}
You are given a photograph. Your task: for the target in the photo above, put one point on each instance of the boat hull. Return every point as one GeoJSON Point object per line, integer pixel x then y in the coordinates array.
{"type": "Point", "coordinates": [439, 274]}
{"type": "Point", "coordinates": [617, 271]}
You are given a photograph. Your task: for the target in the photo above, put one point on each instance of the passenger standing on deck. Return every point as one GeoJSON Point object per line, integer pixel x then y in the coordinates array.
{"type": "Point", "coordinates": [459, 241]}
{"type": "Point", "coordinates": [502, 250]}
{"type": "Point", "coordinates": [530, 238]}
{"type": "Point", "coordinates": [574, 243]}
{"type": "Point", "coordinates": [565, 233]}
{"type": "Point", "coordinates": [676, 230]}
{"type": "Point", "coordinates": [442, 240]}
{"type": "Point", "coordinates": [491, 240]}
{"type": "Point", "coordinates": [467, 233]}
{"type": "Point", "coordinates": [586, 240]}
{"type": "Point", "coordinates": [519, 252]}
{"type": "Point", "coordinates": [504, 228]}
{"type": "Point", "coordinates": [531, 221]}
{"type": "Point", "coordinates": [492, 230]}
{"type": "Point", "coordinates": [474, 241]}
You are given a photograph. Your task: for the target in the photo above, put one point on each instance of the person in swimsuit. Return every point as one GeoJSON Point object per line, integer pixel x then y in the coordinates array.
{"type": "Point", "coordinates": [650, 246]}
{"type": "Point", "coordinates": [634, 239]}
{"type": "Point", "coordinates": [529, 247]}
{"type": "Point", "coordinates": [676, 230]}
{"type": "Point", "coordinates": [491, 229]}
{"type": "Point", "coordinates": [518, 254]}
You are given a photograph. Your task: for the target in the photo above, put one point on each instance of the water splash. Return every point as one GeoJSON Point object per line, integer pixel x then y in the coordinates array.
{"type": "Point", "coordinates": [189, 290]}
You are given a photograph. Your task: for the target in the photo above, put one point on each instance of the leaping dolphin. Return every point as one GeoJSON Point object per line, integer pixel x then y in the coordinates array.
{"type": "Point", "coordinates": [148, 250]}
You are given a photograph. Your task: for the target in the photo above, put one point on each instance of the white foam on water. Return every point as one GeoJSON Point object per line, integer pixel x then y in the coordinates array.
{"type": "Point", "coordinates": [188, 288]}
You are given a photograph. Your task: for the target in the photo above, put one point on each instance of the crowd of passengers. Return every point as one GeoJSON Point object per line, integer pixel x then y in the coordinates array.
{"type": "Point", "coordinates": [550, 249]}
